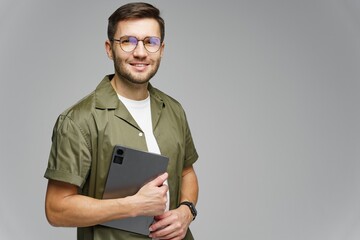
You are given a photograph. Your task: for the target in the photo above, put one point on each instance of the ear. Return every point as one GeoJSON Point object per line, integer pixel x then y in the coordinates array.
{"type": "Point", "coordinates": [108, 48]}
{"type": "Point", "coordinates": [162, 49]}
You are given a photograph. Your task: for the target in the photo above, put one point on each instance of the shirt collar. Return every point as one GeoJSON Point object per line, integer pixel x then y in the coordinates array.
{"type": "Point", "coordinates": [106, 97]}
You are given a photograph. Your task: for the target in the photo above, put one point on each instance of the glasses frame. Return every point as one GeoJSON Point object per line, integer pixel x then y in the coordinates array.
{"type": "Point", "coordinates": [138, 40]}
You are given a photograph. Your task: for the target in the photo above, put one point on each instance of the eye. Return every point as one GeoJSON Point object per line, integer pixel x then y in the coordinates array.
{"type": "Point", "coordinates": [152, 41]}
{"type": "Point", "coordinates": [128, 40]}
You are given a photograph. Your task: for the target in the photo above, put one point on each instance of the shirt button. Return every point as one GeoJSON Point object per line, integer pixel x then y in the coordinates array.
{"type": "Point", "coordinates": [140, 134]}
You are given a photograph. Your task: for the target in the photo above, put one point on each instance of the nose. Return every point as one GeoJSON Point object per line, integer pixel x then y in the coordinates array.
{"type": "Point", "coordinates": [140, 50]}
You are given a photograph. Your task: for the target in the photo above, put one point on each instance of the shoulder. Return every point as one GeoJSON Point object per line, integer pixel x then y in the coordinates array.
{"type": "Point", "coordinates": [82, 109]}
{"type": "Point", "coordinates": [103, 97]}
{"type": "Point", "coordinates": [168, 101]}
{"type": "Point", "coordinates": [78, 117]}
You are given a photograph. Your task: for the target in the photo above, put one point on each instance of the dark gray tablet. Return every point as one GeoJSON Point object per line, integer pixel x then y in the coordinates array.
{"type": "Point", "coordinates": [129, 170]}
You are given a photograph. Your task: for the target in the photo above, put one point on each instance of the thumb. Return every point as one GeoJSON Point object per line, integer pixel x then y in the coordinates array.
{"type": "Point", "coordinates": [159, 181]}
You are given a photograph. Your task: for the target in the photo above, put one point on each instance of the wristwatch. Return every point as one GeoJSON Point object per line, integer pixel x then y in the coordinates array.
{"type": "Point", "coordinates": [191, 207]}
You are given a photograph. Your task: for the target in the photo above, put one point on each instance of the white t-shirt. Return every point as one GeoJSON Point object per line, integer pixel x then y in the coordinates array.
{"type": "Point", "coordinates": [141, 112]}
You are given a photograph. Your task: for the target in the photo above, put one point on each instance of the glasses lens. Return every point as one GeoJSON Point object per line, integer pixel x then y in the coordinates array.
{"type": "Point", "coordinates": [128, 43]}
{"type": "Point", "coordinates": [152, 44]}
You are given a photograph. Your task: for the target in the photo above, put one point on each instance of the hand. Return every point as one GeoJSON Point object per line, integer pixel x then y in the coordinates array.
{"type": "Point", "coordinates": [172, 224]}
{"type": "Point", "coordinates": [151, 198]}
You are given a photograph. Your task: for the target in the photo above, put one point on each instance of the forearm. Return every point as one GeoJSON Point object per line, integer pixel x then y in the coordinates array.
{"type": "Point", "coordinates": [65, 207]}
{"type": "Point", "coordinates": [189, 186]}
{"type": "Point", "coordinates": [82, 211]}
{"type": "Point", "coordinates": [74, 210]}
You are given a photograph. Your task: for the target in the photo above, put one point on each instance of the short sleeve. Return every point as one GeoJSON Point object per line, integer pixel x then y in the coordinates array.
{"type": "Point", "coordinates": [70, 157]}
{"type": "Point", "coordinates": [191, 154]}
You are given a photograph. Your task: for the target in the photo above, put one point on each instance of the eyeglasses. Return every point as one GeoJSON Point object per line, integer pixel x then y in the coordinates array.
{"type": "Point", "coordinates": [129, 43]}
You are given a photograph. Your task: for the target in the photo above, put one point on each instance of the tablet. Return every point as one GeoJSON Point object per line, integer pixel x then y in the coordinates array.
{"type": "Point", "coordinates": [129, 170]}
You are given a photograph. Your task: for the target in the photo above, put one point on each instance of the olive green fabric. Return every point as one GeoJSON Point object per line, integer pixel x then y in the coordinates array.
{"type": "Point", "coordinates": [85, 134]}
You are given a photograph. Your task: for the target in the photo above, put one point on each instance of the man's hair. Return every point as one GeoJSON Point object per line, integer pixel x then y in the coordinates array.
{"type": "Point", "coordinates": [136, 10]}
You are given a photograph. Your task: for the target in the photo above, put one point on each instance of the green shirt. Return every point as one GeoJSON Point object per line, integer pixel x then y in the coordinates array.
{"type": "Point", "coordinates": [85, 134]}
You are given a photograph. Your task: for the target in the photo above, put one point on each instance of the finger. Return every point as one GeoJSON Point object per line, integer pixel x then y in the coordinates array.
{"type": "Point", "coordinates": [162, 216]}
{"type": "Point", "coordinates": [163, 233]}
{"type": "Point", "coordinates": [161, 221]}
{"type": "Point", "coordinates": [159, 181]}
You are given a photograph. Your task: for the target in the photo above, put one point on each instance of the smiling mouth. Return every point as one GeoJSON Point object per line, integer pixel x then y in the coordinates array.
{"type": "Point", "coordinates": [139, 64]}
{"type": "Point", "coordinates": [139, 67]}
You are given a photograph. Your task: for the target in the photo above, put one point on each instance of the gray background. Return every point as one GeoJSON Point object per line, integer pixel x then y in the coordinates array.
{"type": "Point", "coordinates": [271, 90]}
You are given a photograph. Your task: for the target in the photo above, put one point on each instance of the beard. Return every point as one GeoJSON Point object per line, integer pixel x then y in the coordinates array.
{"type": "Point", "coordinates": [122, 70]}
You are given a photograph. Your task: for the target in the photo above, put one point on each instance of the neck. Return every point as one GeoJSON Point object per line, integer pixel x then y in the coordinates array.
{"type": "Point", "coordinates": [133, 91]}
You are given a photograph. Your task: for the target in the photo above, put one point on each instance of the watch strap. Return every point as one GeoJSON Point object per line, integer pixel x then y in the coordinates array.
{"type": "Point", "coordinates": [191, 207]}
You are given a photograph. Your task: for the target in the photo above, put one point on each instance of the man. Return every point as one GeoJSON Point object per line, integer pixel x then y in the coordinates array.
{"type": "Point", "coordinates": [124, 109]}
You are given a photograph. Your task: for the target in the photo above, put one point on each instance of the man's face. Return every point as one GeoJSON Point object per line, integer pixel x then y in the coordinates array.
{"type": "Point", "coordinates": [138, 66]}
